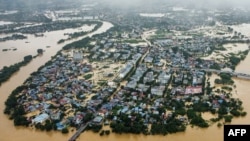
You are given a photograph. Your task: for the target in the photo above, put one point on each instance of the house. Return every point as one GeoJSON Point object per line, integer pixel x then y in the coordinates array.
{"type": "Point", "coordinates": [178, 90]}
{"type": "Point", "coordinates": [158, 90]}
{"type": "Point", "coordinates": [112, 84]}
{"type": "Point", "coordinates": [40, 118]}
{"type": "Point", "coordinates": [198, 78]}
{"type": "Point", "coordinates": [193, 90]}
{"type": "Point", "coordinates": [131, 84]}
{"type": "Point", "coordinates": [143, 87]}
{"type": "Point", "coordinates": [77, 56]}
{"type": "Point", "coordinates": [178, 78]}
{"type": "Point", "coordinates": [98, 120]}
{"type": "Point", "coordinates": [60, 126]}
{"type": "Point", "coordinates": [125, 70]}
{"type": "Point", "coordinates": [149, 77]}
{"type": "Point", "coordinates": [148, 59]}
{"type": "Point", "coordinates": [163, 78]}
{"type": "Point", "coordinates": [64, 101]}
{"type": "Point", "coordinates": [78, 118]}
{"type": "Point", "coordinates": [55, 116]}
{"type": "Point", "coordinates": [124, 110]}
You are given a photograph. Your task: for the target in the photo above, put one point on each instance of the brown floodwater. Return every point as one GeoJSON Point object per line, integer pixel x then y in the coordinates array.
{"type": "Point", "coordinates": [30, 45]}
{"type": "Point", "coordinates": [8, 132]}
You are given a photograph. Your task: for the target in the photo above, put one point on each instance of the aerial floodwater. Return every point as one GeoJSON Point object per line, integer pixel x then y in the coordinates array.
{"type": "Point", "coordinates": [8, 131]}
{"type": "Point", "coordinates": [11, 133]}
{"type": "Point", "coordinates": [30, 45]}
{"type": "Point", "coordinates": [162, 71]}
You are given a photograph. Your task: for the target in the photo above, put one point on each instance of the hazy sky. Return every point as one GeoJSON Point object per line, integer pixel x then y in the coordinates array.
{"type": "Point", "coordinates": [131, 3]}
{"type": "Point", "coordinates": [204, 3]}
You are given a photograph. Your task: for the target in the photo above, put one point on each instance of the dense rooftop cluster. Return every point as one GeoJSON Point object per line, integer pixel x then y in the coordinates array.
{"type": "Point", "coordinates": [111, 79]}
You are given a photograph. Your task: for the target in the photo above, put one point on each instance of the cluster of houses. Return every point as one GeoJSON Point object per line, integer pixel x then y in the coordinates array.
{"type": "Point", "coordinates": [57, 91]}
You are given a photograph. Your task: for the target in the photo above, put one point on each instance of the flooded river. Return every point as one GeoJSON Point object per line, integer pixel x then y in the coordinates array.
{"type": "Point", "coordinates": [30, 45]}
{"type": "Point", "coordinates": [8, 132]}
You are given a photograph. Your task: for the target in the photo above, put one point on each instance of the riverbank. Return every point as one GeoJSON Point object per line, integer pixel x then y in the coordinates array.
{"type": "Point", "coordinates": [30, 45]}
{"type": "Point", "coordinates": [191, 133]}
{"type": "Point", "coordinates": [12, 133]}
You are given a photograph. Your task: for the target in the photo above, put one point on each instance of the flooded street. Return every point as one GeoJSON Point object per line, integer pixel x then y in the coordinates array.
{"type": "Point", "coordinates": [243, 67]}
{"type": "Point", "coordinates": [11, 133]}
{"type": "Point", "coordinates": [213, 133]}
{"type": "Point", "coordinates": [230, 48]}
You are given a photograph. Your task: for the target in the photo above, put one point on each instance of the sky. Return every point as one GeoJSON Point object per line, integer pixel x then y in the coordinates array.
{"type": "Point", "coordinates": [133, 3]}
{"type": "Point", "coordinates": [200, 3]}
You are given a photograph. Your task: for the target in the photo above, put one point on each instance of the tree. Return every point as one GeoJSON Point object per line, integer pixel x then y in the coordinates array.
{"type": "Point", "coordinates": [222, 110]}
{"type": "Point", "coordinates": [48, 125]}
{"type": "Point", "coordinates": [27, 58]}
{"type": "Point", "coordinates": [199, 121]}
{"type": "Point", "coordinates": [20, 120]}
{"type": "Point", "coordinates": [40, 51]}
{"type": "Point", "coordinates": [65, 130]}
{"type": "Point", "coordinates": [228, 118]}
{"type": "Point", "coordinates": [107, 132]}
{"type": "Point", "coordinates": [243, 114]}
{"type": "Point", "coordinates": [235, 112]}
{"type": "Point", "coordinates": [101, 133]}
{"type": "Point", "coordinates": [191, 113]}
{"type": "Point", "coordinates": [88, 117]}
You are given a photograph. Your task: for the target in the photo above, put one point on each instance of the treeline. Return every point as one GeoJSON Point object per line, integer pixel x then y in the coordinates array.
{"type": "Point", "coordinates": [7, 72]}
{"type": "Point", "coordinates": [196, 118]}
{"type": "Point", "coordinates": [225, 79]}
{"type": "Point", "coordinates": [235, 41]}
{"type": "Point", "coordinates": [77, 44]}
{"type": "Point", "coordinates": [14, 110]}
{"type": "Point", "coordinates": [172, 126]}
{"type": "Point", "coordinates": [129, 125]}
{"type": "Point", "coordinates": [14, 36]}
{"type": "Point", "coordinates": [83, 33]}
{"type": "Point", "coordinates": [235, 59]}
{"type": "Point", "coordinates": [83, 42]}
{"type": "Point", "coordinates": [136, 125]}
{"type": "Point", "coordinates": [50, 26]}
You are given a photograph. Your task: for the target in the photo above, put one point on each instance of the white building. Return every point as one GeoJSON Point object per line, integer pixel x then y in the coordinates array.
{"type": "Point", "coordinates": [77, 56]}
{"type": "Point", "coordinates": [163, 78]}
{"type": "Point", "coordinates": [40, 118]}
{"type": "Point", "coordinates": [125, 70]}
{"type": "Point", "coordinates": [158, 90]}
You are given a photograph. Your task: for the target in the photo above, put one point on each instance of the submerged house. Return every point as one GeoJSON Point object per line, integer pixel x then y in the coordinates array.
{"type": "Point", "coordinates": [40, 118]}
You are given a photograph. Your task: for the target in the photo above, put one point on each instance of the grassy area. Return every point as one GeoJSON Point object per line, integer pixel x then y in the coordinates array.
{"type": "Point", "coordinates": [88, 76]}
{"type": "Point", "coordinates": [161, 32]}
{"type": "Point", "coordinates": [101, 82]}
{"type": "Point", "coordinates": [133, 41]}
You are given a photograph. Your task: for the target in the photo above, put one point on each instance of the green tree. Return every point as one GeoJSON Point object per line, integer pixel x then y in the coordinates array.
{"type": "Point", "coordinates": [27, 58]}
{"type": "Point", "coordinates": [65, 130]}
{"type": "Point", "coordinates": [40, 51]}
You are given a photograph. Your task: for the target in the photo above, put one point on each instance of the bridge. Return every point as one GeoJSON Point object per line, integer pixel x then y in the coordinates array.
{"type": "Point", "coordinates": [79, 131]}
